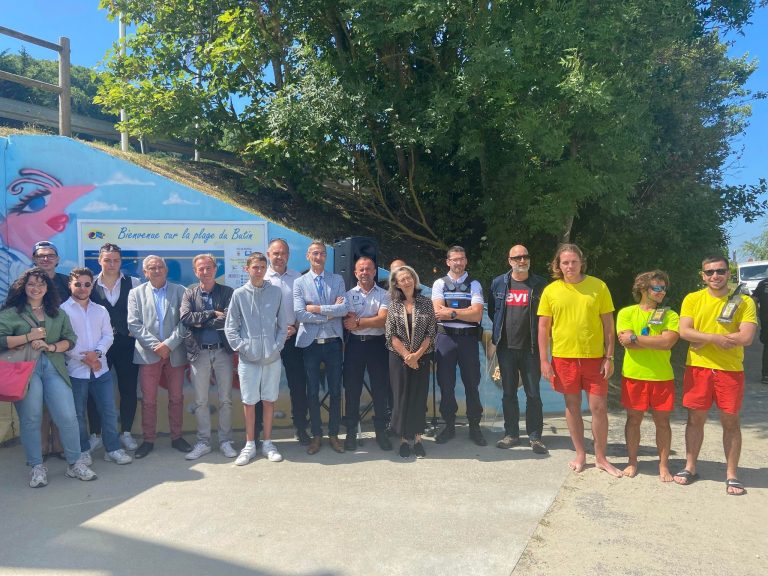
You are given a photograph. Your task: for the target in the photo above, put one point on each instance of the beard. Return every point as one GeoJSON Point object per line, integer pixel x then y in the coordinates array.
{"type": "Point", "coordinates": [521, 267]}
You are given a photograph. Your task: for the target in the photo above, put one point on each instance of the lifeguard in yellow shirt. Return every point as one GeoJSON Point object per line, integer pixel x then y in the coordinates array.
{"type": "Point", "coordinates": [714, 370]}
{"type": "Point", "coordinates": [576, 310]}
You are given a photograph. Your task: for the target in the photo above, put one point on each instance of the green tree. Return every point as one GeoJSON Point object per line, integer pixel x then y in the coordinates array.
{"type": "Point", "coordinates": [757, 248]}
{"type": "Point", "coordinates": [455, 121]}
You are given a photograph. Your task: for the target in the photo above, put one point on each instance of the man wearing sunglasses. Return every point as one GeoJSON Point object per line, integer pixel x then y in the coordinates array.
{"type": "Point", "coordinates": [87, 366]}
{"type": "Point", "coordinates": [714, 370]}
{"type": "Point", "coordinates": [512, 307]}
{"type": "Point", "coordinates": [648, 331]}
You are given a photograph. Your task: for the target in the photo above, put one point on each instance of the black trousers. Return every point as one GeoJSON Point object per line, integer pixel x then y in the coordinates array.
{"type": "Point", "coordinates": [521, 365]}
{"type": "Point", "coordinates": [358, 356]}
{"type": "Point", "coordinates": [463, 350]}
{"type": "Point", "coordinates": [120, 357]}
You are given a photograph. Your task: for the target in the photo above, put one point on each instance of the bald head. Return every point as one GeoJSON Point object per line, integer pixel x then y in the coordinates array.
{"type": "Point", "coordinates": [396, 264]}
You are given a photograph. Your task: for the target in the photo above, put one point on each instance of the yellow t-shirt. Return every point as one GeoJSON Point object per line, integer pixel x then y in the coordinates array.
{"type": "Point", "coordinates": [645, 363]}
{"type": "Point", "coordinates": [575, 309]}
{"type": "Point", "coordinates": [704, 309]}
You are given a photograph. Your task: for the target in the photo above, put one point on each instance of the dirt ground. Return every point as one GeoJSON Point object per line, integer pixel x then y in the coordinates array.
{"type": "Point", "coordinates": [604, 525]}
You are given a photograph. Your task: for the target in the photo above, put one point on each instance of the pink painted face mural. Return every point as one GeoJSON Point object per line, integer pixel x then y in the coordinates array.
{"type": "Point", "coordinates": [39, 213]}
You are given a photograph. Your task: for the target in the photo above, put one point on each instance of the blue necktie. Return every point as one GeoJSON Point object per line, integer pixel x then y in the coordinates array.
{"type": "Point", "coordinates": [320, 288]}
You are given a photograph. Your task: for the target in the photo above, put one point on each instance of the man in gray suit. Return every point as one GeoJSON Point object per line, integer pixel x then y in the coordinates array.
{"type": "Point", "coordinates": [319, 304]}
{"type": "Point", "coordinates": [155, 321]}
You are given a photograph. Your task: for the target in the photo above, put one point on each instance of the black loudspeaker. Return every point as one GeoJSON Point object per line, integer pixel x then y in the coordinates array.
{"type": "Point", "coordinates": [347, 251]}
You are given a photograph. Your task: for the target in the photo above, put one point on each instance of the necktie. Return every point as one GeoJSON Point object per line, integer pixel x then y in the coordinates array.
{"type": "Point", "coordinates": [320, 288]}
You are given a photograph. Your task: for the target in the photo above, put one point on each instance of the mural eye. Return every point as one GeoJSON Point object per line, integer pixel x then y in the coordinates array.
{"type": "Point", "coordinates": [31, 203]}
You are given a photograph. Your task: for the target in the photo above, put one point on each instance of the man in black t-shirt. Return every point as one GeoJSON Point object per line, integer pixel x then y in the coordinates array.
{"type": "Point", "coordinates": [760, 295]}
{"type": "Point", "coordinates": [512, 308]}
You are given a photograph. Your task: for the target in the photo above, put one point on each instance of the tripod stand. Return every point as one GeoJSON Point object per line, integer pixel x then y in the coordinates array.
{"type": "Point", "coordinates": [434, 423]}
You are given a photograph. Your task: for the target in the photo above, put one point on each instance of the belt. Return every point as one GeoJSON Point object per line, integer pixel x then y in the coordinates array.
{"type": "Point", "coordinates": [468, 331]}
{"type": "Point", "coordinates": [325, 340]}
{"type": "Point", "coordinates": [364, 337]}
{"type": "Point", "coordinates": [211, 346]}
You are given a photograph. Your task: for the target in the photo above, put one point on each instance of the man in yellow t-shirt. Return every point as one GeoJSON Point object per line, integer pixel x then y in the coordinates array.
{"type": "Point", "coordinates": [647, 331]}
{"type": "Point", "coordinates": [714, 370]}
{"type": "Point", "coordinates": [576, 311]}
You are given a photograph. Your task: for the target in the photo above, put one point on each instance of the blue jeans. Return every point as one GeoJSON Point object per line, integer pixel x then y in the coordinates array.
{"type": "Point", "coordinates": [47, 385]}
{"type": "Point", "coordinates": [103, 394]}
{"type": "Point", "coordinates": [331, 355]}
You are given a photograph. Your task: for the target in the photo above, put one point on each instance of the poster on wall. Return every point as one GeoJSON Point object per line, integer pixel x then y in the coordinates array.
{"type": "Point", "coordinates": [178, 242]}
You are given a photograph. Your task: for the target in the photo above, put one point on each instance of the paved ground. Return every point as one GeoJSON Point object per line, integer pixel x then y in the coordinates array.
{"type": "Point", "coordinates": [464, 510]}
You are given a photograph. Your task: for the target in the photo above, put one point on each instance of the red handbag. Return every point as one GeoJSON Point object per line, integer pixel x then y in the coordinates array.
{"type": "Point", "coordinates": [14, 379]}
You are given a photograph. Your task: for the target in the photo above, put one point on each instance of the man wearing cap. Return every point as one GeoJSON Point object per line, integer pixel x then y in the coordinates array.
{"type": "Point", "coordinates": [46, 256]}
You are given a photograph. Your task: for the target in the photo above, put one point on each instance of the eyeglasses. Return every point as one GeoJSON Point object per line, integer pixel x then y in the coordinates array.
{"type": "Point", "coordinates": [457, 260]}
{"type": "Point", "coordinates": [155, 268]}
{"type": "Point", "coordinates": [82, 284]}
{"type": "Point", "coordinates": [657, 288]}
{"type": "Point", "coordinates": [47, 256]}
{"type": "Point", "coordinates": [718, 271]}
{"type": "Point", "coordinates": [521, 257]}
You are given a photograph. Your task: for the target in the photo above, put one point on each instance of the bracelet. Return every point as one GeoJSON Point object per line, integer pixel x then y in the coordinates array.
{"type": "Point", "coordinates": [608, 358]}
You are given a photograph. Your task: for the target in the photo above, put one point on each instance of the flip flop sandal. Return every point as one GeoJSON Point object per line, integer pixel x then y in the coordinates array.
{"type": "Point", "coordinates": [687, 476]}
{"type": "Point", "coordinates": [734, 483]}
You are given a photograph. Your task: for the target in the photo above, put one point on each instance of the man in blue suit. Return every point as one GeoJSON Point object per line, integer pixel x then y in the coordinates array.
{"type": "Point", "coordinates": [319, 303]}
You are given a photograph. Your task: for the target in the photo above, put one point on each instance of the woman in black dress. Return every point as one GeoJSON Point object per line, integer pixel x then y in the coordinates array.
{"type": "Point", "coordinates": [410, 333]}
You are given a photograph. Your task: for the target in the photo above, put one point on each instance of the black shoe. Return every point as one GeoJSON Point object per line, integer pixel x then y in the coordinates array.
{"type": "Point", "coordinates": [303, 437]}
{"type": "Point", "coordinates": [405, 450]}
{"type": "Point", "coordinates": [382, 439]}
{"type": "Point", "coordinates": [538, 446]}
{"type": "Point", "coordinates": [144, 449]}
{"type": "Point", "coordinates": [476, 435]}
{"type": "Point", "coordinates": [350, 442]}
{"type": "Point", "coordinates": [448, 433]}
{"type": "Point", "coordinates": [418, 450]}
{"type": "Point", "coordinates": [181, 445]}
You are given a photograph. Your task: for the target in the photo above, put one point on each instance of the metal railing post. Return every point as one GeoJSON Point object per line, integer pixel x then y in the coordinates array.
{"type": "Point", "coordinates": [65, 96]}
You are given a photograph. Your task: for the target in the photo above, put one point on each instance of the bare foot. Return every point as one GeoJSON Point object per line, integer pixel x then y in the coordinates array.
{"type": "Point", "coordinates": [631, 471]}
{"type": "Point", "coordinates": [665, 475]}
{"type": "Point", "coordinates": [577, 465]}
{"type": "Point", "coordinates": [606, 466]}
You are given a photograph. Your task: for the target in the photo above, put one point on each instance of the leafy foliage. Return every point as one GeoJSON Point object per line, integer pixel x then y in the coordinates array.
{"type": "Point", "coordinates": [454, 121]}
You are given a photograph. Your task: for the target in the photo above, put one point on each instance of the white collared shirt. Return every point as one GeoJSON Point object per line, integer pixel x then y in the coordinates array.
{"type": "Point", "coordinates": [113, 294]}
{"type": "Point", "coordinates": [94, 332]}
{"type": "Point", "coordinates": [285, 282]}
{"type": "Point", "coordinates": [367, 305]}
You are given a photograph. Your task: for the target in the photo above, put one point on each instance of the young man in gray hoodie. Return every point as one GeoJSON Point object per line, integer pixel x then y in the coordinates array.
{"type": "Point", "coordinates": [256, 328]}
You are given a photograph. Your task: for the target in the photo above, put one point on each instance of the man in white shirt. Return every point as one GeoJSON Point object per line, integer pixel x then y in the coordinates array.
{"type": "Point", "coordinates": [111, 291]}
{"type": "Point", "coordinates": [87, 366]}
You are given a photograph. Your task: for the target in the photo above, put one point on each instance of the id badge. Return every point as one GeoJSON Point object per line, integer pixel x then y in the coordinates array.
{"type": "Point", "coordinates": [657, 318]}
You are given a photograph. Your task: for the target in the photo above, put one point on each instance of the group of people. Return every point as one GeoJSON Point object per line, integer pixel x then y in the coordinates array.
{"type": "Point", "coordinates": [322, 333]}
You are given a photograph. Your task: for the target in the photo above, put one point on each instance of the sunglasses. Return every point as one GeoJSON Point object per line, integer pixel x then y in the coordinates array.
{"type": "Point", "coordinates": [657, 288]}
{"type": "Point", "coordinates": [718, 271]}
{"type": "Point", "coordinates": [521, 258]}
{"type": "Point", "coordinates": [82, 284]}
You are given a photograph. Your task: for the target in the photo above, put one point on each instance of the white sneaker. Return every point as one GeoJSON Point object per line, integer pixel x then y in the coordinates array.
{"type": "Point", "coordinates": [118, 457]}
{"type": "Point", "coordinates": [200, 449]}
{"type": "Point", "coordinates": [95, 442]}
{"type": "Point", "coordinates": [270, 452]}
{"type": "Point", "coordinates": [80, 471]}
{"type": "Point", "coordinates": [38, 476]}
{"type": "Point", "coordinates": [227, 449]}
{"type": "Point", "coordinates": [127, 441]}
{"type": "Point", "coordinates": [85, 458]}
{"type": "Point", "coordinates": [247, 454]}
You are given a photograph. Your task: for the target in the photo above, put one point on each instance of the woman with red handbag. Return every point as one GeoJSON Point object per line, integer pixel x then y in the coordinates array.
{"type": "Point", "coordinates": [32, 299]}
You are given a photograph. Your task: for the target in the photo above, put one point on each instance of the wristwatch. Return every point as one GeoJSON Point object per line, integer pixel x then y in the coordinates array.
{"type": "Point", "coordinates": [633, 339]}
{"type": "Point", "coordinates": [99, 353]}
{"type": "Point", "coordinates": [453, 314]}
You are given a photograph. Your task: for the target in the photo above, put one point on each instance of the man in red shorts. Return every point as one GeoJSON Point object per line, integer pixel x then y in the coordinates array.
{"type": "Point", "coordinates": [577, 311]}
{"type": "Point", "coordinates": [714, 368]}
{"type": "Point", "coordinates": [648, 331]}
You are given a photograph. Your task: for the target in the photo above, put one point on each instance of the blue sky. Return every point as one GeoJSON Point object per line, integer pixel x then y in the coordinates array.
{"type": "Point", "coordinates": [91, 34]}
